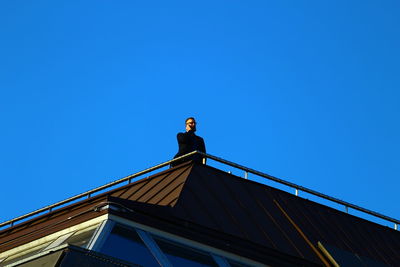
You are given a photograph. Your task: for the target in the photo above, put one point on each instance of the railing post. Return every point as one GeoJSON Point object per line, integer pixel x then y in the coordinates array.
{"type": "Point", "coordinates": [395, 226]}
{"type": "Point", "coordinates": [296, 192]}
{"type": "Point", "coordinates": [246, 175]}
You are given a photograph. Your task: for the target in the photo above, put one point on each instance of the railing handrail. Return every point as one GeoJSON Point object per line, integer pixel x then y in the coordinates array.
{"type": "Point", "coordinates": [232, 164]}
{"type": "Point", "coordinates": [302, 188]}
{"type": "Point", "coordinates": [92, 191]}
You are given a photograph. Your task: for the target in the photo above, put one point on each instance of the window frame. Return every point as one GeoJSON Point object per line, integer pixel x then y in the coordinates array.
{"type": "Point", "coordinates": [146, 233]}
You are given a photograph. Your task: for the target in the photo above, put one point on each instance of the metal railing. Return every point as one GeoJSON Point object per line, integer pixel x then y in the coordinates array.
{"type": "Point", "coordinates": [129, 178]}
{"type": "Point", "coordinates": [347, 205]}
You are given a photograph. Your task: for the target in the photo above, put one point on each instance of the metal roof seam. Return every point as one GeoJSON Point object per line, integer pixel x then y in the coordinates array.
{"type": "Point", "coordinates": [353, 241]}
{"type": "Point", "coordinates": [155, 182]}
{"type": "Point", "coordinates": [280, 229]}
{"type": "Point", "coordinates": [173, 202]}
{"type": "Point", "coordinates": [167, 187]}
{"type": "Point", "coordinates": [214, 195]}
{"type": "Point", "coordinates": [245, 210]}
{"type": "Point", "coordinates": [203, 209]}
{"type": "Point", "coordinates": [294, 208]}
{"type": "Point", "coordinates": [299, 206]}
{"type": "Point", "coordinates": [267, 212]}
{"type": "Point", "coordinates": [320, 256]}
{"type": "Point", "coordinates": [127, 193]}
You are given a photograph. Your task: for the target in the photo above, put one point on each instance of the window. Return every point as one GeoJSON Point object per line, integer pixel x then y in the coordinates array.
{"type": "Point", "coordinates": [78, 238]}
{"type": "Point", "coordinates": [141, 247]}
{"type": "Point", "coordinates": [180, 255]}
{"type": "Point", "coordinates": [125, 244]}
{"type": "Point", "coordinates": [81, 238]}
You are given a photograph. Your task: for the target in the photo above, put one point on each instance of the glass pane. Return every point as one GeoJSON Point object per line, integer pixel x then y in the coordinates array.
{"type": "Point", "coordinates": [125, 244]}
{"type": "Point", "coordinates": [180, 255]}
{"type": "Point", "coordinates": [81, 238]}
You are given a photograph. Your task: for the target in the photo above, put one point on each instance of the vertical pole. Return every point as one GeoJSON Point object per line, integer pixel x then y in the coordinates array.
{"type": "Point", "coordinates": [246, 175]}
{"type": "Point", "coordinates": [296, 192]}
{"type": "Point", "coordinates": [395, 226]}
{"type": "Point", "coordinates": [347, 209]}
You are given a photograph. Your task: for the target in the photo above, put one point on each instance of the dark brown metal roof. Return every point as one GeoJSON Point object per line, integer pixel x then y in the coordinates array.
{"type": "Point", "coordinates": [263, 215]}
{"type": "Point", "coordinates": [250, 218]}
{"type": "Point", "coordinates": [50, 223]}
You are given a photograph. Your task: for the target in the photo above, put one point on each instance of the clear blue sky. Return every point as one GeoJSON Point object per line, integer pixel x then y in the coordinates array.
{"type": "Point", "coordinates": [92, 91]}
